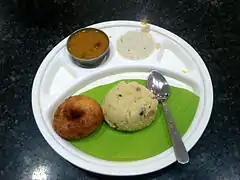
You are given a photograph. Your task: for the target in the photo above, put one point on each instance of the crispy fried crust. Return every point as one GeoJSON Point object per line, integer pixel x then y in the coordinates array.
{"type": "Point", "coordinates": [77, 116]}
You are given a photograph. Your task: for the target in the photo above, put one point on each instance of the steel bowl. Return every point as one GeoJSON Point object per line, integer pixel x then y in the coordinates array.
{"type": "Point", "coordinates": [93, 62]}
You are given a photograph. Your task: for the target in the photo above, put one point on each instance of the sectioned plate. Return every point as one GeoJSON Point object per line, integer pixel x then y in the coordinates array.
{"type": "Point", "coordinates": [58, 78]}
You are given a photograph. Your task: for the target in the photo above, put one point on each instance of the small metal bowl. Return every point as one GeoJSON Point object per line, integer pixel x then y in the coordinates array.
{"type": "Point", "coordinates": [93, 62]}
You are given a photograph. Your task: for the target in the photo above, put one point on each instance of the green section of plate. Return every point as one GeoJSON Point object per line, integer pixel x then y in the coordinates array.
{"type": "Point", "coordinates": [109, 144]}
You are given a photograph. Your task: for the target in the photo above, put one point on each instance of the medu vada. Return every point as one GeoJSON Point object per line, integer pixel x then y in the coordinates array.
{"type": "Point", "coordinates": [78, 116]}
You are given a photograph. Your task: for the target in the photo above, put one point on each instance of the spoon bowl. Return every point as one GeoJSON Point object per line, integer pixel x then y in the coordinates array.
{"type": "Point", "coordinates": [158, 85]}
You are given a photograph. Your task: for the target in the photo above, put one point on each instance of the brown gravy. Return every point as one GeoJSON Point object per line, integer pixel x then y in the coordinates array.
{"type": "Point", "coordinates": [88, 44]}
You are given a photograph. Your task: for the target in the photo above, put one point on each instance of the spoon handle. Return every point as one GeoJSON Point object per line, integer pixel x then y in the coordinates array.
{"type": "Point", "coordinates": [178, 146]}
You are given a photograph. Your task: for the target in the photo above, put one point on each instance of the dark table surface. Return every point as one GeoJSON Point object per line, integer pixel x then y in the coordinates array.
{"type": "Point", "coordinates": [30, 29]}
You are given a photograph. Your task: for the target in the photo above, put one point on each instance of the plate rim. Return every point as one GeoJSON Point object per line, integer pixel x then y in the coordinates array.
{"type": "Point", "coordinates": [89, 166]}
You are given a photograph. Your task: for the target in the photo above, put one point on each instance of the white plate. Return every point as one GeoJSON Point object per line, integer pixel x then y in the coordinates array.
{"type": "Point", "coordinates": [58, 78]}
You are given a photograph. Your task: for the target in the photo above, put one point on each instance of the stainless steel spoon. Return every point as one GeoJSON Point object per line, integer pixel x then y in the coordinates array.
{"type": "Point", "coordinates": [160, 88]}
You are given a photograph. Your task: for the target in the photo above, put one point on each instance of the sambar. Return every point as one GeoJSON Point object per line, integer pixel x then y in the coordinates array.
{"type": "Point", "coordinates": [88, 43]}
